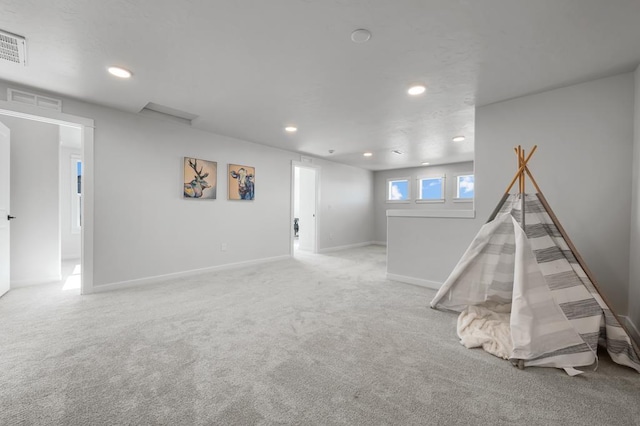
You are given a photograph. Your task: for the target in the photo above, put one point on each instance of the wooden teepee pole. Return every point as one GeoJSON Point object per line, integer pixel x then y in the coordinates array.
{"type": "Point", "coordinates": [522, 193]}
{"type": "Point", "coordinates": [524, 178]}
{"type": "Point", "coordinates": [522, 166]}
{"type": "Point", "coordinates": [520, 169]}
{"type": "Point", "coordinates": [519, 154]}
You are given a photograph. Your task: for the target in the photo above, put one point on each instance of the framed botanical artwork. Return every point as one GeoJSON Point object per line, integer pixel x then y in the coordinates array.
{"type": "Point", "coordinates": [200, 178]}
{"type": "Point", "coordinates": [242, 182]}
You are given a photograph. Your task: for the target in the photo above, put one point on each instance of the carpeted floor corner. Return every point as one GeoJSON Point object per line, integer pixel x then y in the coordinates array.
{"type": "Point", "coordinates": [315, 340]}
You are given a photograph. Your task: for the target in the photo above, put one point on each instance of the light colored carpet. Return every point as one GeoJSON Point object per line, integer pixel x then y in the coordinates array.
{"type": "Point", "coordinates": [319, 339]}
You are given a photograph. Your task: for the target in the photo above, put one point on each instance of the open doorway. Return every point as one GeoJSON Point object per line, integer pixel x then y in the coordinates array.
{"type": "Point", "coordinates": [71, 168]}
{"type": "Point", "coordinates": [65, 200]}
{"type": "Point", "coordinates": [45, 200]}
{"type": "Point", "coordinates": [305, 201]}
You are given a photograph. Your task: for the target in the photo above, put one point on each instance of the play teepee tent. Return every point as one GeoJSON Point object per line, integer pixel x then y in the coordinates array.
{"type": "Point", "coordinates": [524, 292]}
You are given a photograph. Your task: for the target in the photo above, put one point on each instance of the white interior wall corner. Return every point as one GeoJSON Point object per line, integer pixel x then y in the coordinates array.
{"type": "Point", "coordinates": [634, 251]}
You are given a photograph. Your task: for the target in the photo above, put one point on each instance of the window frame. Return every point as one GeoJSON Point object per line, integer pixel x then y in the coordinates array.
{"type": "Point", "coordinates": [388, 187]}
{"type": "Point", "coordinates": [457, 198]}
{"type": "Point", "coordinates": [442, 198]}
{"type": "Point", "coordinates": [76, 198]}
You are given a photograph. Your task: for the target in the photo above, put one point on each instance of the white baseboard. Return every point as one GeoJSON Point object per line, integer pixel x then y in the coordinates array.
{"type": "Point", "coordinates": [434, 285]}
{"type": "Point", "coordinates": [160, 278]}
{"type": "Point", "coordinates": [379, 243]}
{"type": "Point", "coordinates": [631, 327]}
{"type": "Point", "coordinates": [29, 283]}
{"type": "Point", "coordinates": [347, 247]}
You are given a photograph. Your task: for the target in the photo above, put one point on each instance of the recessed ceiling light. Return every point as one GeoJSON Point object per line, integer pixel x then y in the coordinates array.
{"type": "Point", "coordinates": [416, 90]}
{"type": "Point", "coordinates": [360, 36]}
{"type": "Point", "coordinates": [458, 139]}
{"type": "Point", "coordinates": [119, 72]}
{"type": "Point", "coordinates": [425, 163]}
{"type": "Point", "coordinates": [368, 154]}
{"type": "Point", "coordinates": [291, 129]}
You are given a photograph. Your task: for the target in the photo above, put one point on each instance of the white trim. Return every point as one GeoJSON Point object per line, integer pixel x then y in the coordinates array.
{"type": "Point", "coordinates": [461, 214]}
{"type": "Point", "coordinates": [30, 112]}
{"type": "Point", "coordinates": [463, 200]}
{"type": "Point", "coordinates": [433, 285]}
{"type": "Point", "coordinates": [397, 179]}
{"type": "Point", "coordinates": [443, 191]}
{"type": "Point", "coordinates": [457, 185]}
{"type": "Point", "coordinates": [165, 277]}
{"type": "Point", "coordinates": [379, 243]}
{"type": "Point", "coordinates": [40, 281]}
{"type": "Point", "coordinates": [434, 201]}
{"type": "Point", "coordinates": [635, 333]}
{"type": "Point", "coordinates": [346, 247]}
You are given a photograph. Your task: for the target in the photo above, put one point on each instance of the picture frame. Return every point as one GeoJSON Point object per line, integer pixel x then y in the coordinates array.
{"type": "Point", "coordinates": [200, 179]}
{"type": "Point", "coordinates": [241, 182]}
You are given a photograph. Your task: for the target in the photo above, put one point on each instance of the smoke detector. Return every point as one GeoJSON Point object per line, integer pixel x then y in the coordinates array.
{"type": "Point", "coordinates": [13, 48]}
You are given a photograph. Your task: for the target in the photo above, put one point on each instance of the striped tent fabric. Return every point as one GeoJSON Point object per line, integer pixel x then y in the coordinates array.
{"type": "Point", "coordinates": [558, 318]}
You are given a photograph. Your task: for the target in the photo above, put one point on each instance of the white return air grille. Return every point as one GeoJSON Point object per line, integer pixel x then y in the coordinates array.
{"type": "Point", "coordinates": [13, 48]}
{"type": "Point", "coordinates": [39, 101]}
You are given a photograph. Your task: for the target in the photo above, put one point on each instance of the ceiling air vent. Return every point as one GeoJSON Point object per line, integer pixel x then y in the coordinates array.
{"type": "Point", "coordinates": [161, 111]}
{"type": "Point", "coordinates": [13, 48]}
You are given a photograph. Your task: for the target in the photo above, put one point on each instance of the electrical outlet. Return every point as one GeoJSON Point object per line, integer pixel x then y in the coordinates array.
{"type": "Point", "coordinates": [223, 247]}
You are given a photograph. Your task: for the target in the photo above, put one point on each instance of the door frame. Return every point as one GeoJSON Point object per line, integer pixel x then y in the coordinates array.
{"type": "Point", "coordinates": [5, 138]}
{"type": "Point", "coordinates": [86, 126]}
{"type": "Point", "coordinates": [317, 169]}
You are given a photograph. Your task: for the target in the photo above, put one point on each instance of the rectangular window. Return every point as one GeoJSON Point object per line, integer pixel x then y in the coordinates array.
{"type": "Point", "coordinates": [431, 189]}
{"type": "Point", "coordinates": [398, 190]}
{"type": "Point", "coordinates": [76, 194]}
{"type": "Point", "coordinates": [465, 187]}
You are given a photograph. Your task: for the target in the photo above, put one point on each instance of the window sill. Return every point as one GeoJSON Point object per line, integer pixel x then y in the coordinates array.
{"type": "Point", "coordinates": [430, 201]}
{"type": "Point", "coordinates": [398, 201]}
{"type": "Point", "coordinates": [461, 214]}
{"type": "Point", "coordinates": [463, 200]}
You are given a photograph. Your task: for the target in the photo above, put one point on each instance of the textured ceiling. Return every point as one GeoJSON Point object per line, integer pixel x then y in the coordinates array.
{"type": "Point", "coordinates": [249, 68]}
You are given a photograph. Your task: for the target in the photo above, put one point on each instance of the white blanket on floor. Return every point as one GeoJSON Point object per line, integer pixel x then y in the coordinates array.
{"type": "Point", "coordinates": [486, 328]}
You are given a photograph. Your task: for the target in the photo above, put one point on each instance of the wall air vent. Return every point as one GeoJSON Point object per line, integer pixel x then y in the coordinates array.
{"type": "Point", "coordinates": [161, 111]}
{"type": "Point", "coordinates": [44, 102]}
{"type": "Point", "coordinates": [13, 48]}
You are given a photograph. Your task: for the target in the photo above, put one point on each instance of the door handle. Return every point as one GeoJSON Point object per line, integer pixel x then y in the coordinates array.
{"type": "Point", "coordinates": [9, 217]}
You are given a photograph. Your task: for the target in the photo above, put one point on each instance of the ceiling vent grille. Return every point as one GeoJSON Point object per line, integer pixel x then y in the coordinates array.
{"type": "Point", "coordinates": [13, 48]}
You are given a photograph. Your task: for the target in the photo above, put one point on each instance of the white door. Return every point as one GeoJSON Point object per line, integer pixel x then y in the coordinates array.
{"type": "Point", "coordinates": [307, 221]}
{"type": "Point", "coordinates": [4, 208]}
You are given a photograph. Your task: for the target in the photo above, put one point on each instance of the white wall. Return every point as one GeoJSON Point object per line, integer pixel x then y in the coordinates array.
{"type": "Point", "coordinates": [144, 228]}
{"type": "Point", "coordinates": [35, 233]}
{"type": "Point", "coordinates": [346, 205]}
{"type": "Point", "coordinates": [70, 240]}
{"type": "Point", "coordinates": [583, 165]}
{"type": "Point", "coordinates": [634, 272]}
{"type": "Point", "coordinates": [450, 171]}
